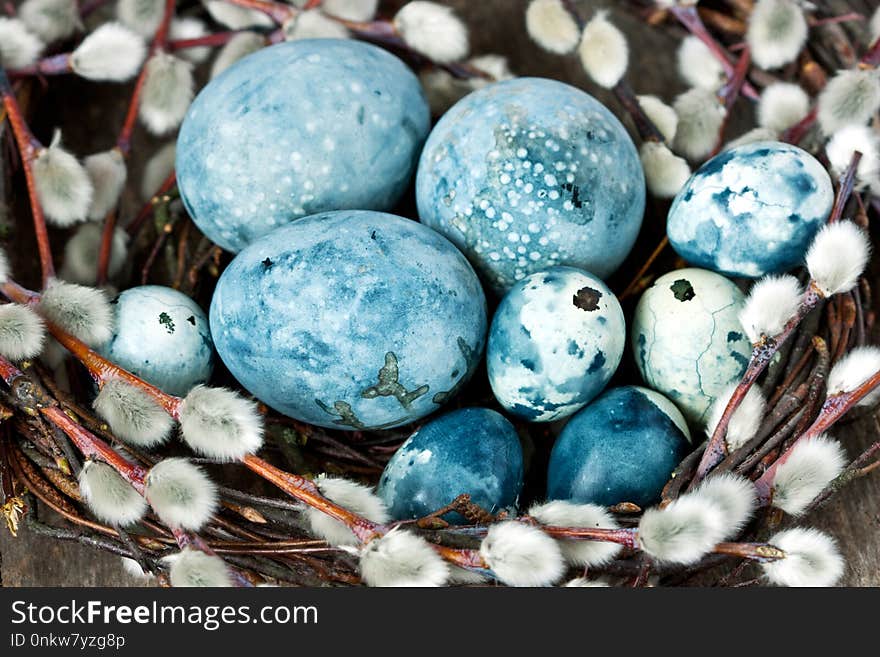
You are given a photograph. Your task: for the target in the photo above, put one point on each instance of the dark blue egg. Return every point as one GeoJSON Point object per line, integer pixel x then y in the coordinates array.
{"type": "Point", "coordinates": [472, 450]}
{"type": "Point", "coordinates": [296, 129]}
{"type": "Point", "coordinates": [621, 448]}
{"type": "Point", "coordinates": [751, 210]}
{"type": "Point", "coordinates": [530, 173]}
{"type": "Point", "coordinates": [352, 319]}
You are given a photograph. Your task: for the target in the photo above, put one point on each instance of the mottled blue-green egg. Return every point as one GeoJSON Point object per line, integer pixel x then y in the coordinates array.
{"type": "Point", "coordinates": [472, 450]}
{"type": "Point", "coordinates": [162, 336]}
{"type": "Point", "coordinates": [751, 210]}
{"type": "Point", "coordinates": [296, 129]}
{"type": "Point", "coordinates": [351, 319]}
{"type": "Point", "coordinates": [688, 340]}
{"type": "Point", "coordinates": [620, 448]}
{"type": "Point", "coordinates": [555, 341]}
{"type": "Point", "coordinates": [530, 173]}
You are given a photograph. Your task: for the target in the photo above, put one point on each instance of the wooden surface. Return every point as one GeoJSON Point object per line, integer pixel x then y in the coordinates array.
{"type": "Point", "coordinates": [853, 517]}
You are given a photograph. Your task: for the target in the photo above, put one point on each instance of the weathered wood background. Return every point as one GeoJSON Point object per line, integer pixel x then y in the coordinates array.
{"type": "Point", "coordinates": [853, 517]}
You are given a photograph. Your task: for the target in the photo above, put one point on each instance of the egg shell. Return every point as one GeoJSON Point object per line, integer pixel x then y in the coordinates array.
{"type": "Point", "coordinates": [471, 450]}
{"type": "Point", "coordinates": [162, 336]}
{"type": "Point", "coordinates": [530, 173]}
{"type": "Point", "coordinates": [620, 448]}
{"type": "Point", "coordinates": [751, 210]}
{"type": "Point", "coordinates": [688, 340]}
{"type": "Point", "coordinates": [555, 341]}
{"type": "Point", "coordinates": [296, 129]}
{"type": "Point", "coordinates": [351, 319]}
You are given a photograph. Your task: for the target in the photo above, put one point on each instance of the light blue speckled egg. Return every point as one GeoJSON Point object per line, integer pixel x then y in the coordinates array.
{"type": "Point", "coordinates": [530, 173]}
{"type": "Point", "coordinates": [620, 448]}
{"type": "Point", "coordinates": [162, 336]}
{"type": "Point", "coordinates": [351, 319]}
{"type": "Point", "coordinates": [752, 210]}
{"type": "Point", "coordinates": [295, 129]}
{"type": "Point", "coordinates": [472, 450]}
{"type": "Point", "coordinates": [688, 340]}
{"type": "Point", "coordinates": [555, 341]}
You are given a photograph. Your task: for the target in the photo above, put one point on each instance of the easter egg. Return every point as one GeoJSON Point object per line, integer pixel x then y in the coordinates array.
{"type": "Point", "coordinates": [751, 210]}
{"type": "Point", "coordinates": [620, 448]}
{"type": "Point", "coordinates": [688, 340]}
{"type": "Point", "coordinates": [472, 450]}
{"type": "Point", "coordinates": [530, 173]}
{"type": "Point", "coordinates": [555, 341]}
{"type": "Point", "coordinates": [350, 319]}
{"type": "Point", "coordinates": [162, 336]}
{"type": "Point", "coordinates": [296, 129]}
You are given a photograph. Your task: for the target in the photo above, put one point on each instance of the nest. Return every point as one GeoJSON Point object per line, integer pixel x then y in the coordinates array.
{"type": "Point", "coordinates": [50, 432]}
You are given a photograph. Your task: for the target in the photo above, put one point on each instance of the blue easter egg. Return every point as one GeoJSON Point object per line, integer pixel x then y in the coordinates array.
{"type": "Point", "coordinates": [162, 336]}
{"type": "Point", "coordinates": [472, 450]}
{"type": "Point", "coordinates": [296, 129]}
{"type": "Point", "coordinates": [752, 210]}
{"type": "Point", "coordinates": [620, 448]}
{"type": "Point", "coordinates": [555, 342]}
{"type": "Point", "coordinates": [530, 173]}
{"type": "Point", "coordinates": [351, 319]}
{"type": "Point", "coordinates": [688, 340]}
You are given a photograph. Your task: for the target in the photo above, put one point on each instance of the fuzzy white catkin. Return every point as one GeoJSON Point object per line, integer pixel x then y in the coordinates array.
{"type": "Point", "coordinates": [663, 116]}
{"type": "Point", "coordinates": [235, 17]}
{"type": "Point", "coordinates": [735, 497]}
{"type": "Point", "coordinates": [402, 559]}
{"type": "Point", "coordinates": [854, 369]}
{"type": "Point", "coordinates": [700, 117]}
{"type": "Point", "coordinates": [603, 51]}
{"type": "Point", "coordinates": [22, 333]}
{"type": "Point", "coordinates": [220, 423]}
{"type": "Point", "coordinates": [351, 10]}
{"type": "Point", "coordinates": [776, 33]}
{"type": "Point", "coordinates": [193, 568]}
{"type": "Point", "coordinates": [110, 497]}
{"type": "Point", "coordinates": [432, 30]}
{"type": "Point", "coordinates": [133, 415]}
{"type": "Point", "coordinates": [80, 263]}
{"type": "Point", "coordinates": [141, 16]}
{"type": "Point", "coordinates": [811, 559]}
{"type": "Point", "coordinates": [158, 168]}
{"type": "Point", "coordinates": [108, 172]}
{"type": "Point", "coordinates": [314, 24]}
{"type": "Point", "coordinates": [522, 555]}
{"type": "Point", "coordinates": [190, 28]}
{"type": "Point", "coordinates": [50, 20]}
{"type": "Point", "coordinates": [561, 513]}
{"type": "Point", "coordinates": [697, 66]}
{"type": "Point", "coordinates": [782, 105]}
{"type": "Point", "coordinates": [683, 532]}
{"type": "Point", "coordinates": [583, 582]}
{"type": "Point", "coordinates": [850, 98]}
{"type": "Point", "coordinates": [552, 26]}
{"type": "Point", "coordinates": [351, 495]}
{"type": "Point", "coordinates": [112, 52]}
{"type": "Point", "coordinates": [133, 569]}
{"type": "Point", "coordinates": [746, 420]}
{"type": "Point", "coordinates": [167, 93]}
{"type": "Point", "coordinates": [239, 46]}
{"type": "Point", "coordinates": [63, 186]}
{"type": "Point", "coordinates": [770, 304]}
{"type": "Point", "coordinates": [874, 26]}
{"type": "Point", "coordinates": [665, 172]}
{"type": "Point", "coordinates": [18, 46]}
{"type": "Point", "coordinates": [809, 467]}
{"type": "Point", "coordinates": [845, 142]}
{"type": "Point", "coordinates": [82, 311]}
{"type": "Point", "coordinates": [181, 493]}
{"type": "Point", "coordinates": [4, 266]}
{"type": "Point", "coordinates": [442, 90]}
{"type": "Point", "coordinates": [837, 257]}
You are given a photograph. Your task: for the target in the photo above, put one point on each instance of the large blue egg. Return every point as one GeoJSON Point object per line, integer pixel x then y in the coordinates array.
{"type": "Point", "coordinates": [296, 129]}
{"type": "Point", "coordinates": [621, 448]}
{"type": "Point", "coordinates": [687, 338]}
{"type": "Point", "coordinates": [472, 450]}
{"type": "Point", "coordinates": [555, 342]}
{"type": "Point", "coordinates": [530, 173]}
{"type": "Point", "coordinates": [752, 210]}
{"type": "Point", "coordinates": [162, 336]}
{"type": "Point", "coordinates": [351, 319]}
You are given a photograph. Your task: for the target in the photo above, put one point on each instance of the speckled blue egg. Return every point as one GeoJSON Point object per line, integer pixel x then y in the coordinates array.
{"type": "Point", "coordinates": [530, 173]}
{"type": "Point", "coordinates": [555, 341]}
{"type": "Point", "coordinates": [752, 210]}
{"type": "Point", "coordinates": [162, 336]}
{"type": "Point", "coordinates": [351, 319]}
{"type": "Point", "coordinates": [620, 448]}
{"type": "Point", "coordinates": [688, 340]}
{"type": "Point", "coordinates": [472, 450]}
{"type": "Point", "coordinates": [296, 129]}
